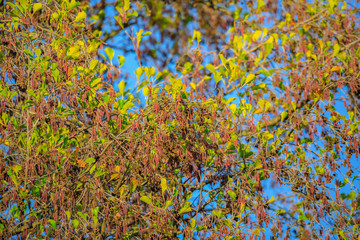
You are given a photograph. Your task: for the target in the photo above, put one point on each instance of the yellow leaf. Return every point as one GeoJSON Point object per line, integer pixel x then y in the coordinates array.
{"type": "Point", "coordinates": [113, 176]}
{"type": "Point", "coordinates": [122, 87]}
{"type": "Point", "coordinates": [73, 52]}
{"type": "Point", "coordinates": [96, 83]}
{"type": "Point", "coordinates": [257, 111]}
{"type": "Point", "coordinates": [117, 169]}
{"type": "Point", "coordinates": [197, 36]}
{"type": "Point", "coordinates": [249, 78]}
{"type": "Point", "coordinates": [193, 86]}
{"type": "Point", "coordinates": [258, 165]}
{"type": "Point", "coordinates": [37, 7]}
{"type": "Point", "coordinates": [336, 49]}
{"type": "Point", "coordinates": [163, 184]}
{"type": "Point", "coordinates": [256, 36]}
{"type": "Point", "coordinates": [272, 199]}
{"type": "Point", "coordinates": [233, 107]}
{"type": "Point", "coordinates": [242, 207]}
{"type": "Point", "coordinates": [146, 91]}
{"type": "Point", "coordinates": [336, 69]}
{"type": "Point", "coordinates": [81, 16]}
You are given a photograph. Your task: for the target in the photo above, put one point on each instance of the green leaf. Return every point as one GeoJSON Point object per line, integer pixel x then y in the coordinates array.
{"type": "Point", "coordinates": [336, 49]}
{"type": "Point", "coordinates": [142, 84]}
{"type": "Point", "coordinates": [147, 33]}
{"type": "Point", "coordinates": [163, 184]}
{"type": "Point", "coordinates": [121, 86]}
{"type": "Point", "coordinates": [127, 106]}
{"type": "Point", "coordinates": [139, 72]}
{"type": "Point", "coordinates": [185, 209]}
{"type": "Point", "coordinates": [29, 52]}
{"type": "Point", "coordinates": [232, 194]}
{"type": "Point", "coordinates": [81, 16]}
{"type": "Point", "coordinates": [149, 71]}
{"type": "Point", "coordinates": [52, 223]}
{"type": "Point", "coordinates": [280, 211]}
{"type": "Point", "coordinates": [138, 37]}
{"type": "Point", "coordinates": [73, 4]}
{"type": "Point", "coordinates": [283, 115]}
{"type": "Point", "coordinates": [95, 211]}
{"type": "Point", "coordinates": [260, 4]}
{"type": "Point", "coordinates": [16, 169]}
{"type": "Point", "coordinates": [37, 7]}
{"type": "Point", "coordinates": [351, 114]}
{"type": "Point", "coordinates": [73, 52]}
{"type": "Point", "coordinates": [249, 78]}
{"type": "Point", "coordinates": [320, 170]}
{"type": "Point", "coordinates": [193, 86]}
{"type": "Point", "coordinates": [197, 36]}
{"type": "Point", "coordinates": [217, 213]}
{"type": "Point", "coordinates": [228, 222]}
{"type": "Point", "coordinates": [75, 222]}
{"type": "Point", "coordinates": [93, 64]}
{"type": "Point", "coordinates": [146, 91]}
{"type": "Point", "coordinates": [126, 5]}
{"type": "Point", "coordinates": [78, 185]}
{"type": "Point", "coordinates": [352, 195]}
{"type": "Point", "coordinates": [272, 199]}
{"type": "Point", "coordinates": [210, 67]}
{"type": "Point", "coordinates": [193, 223]}
{"type": "Point", "coordinates": [90, 160]}
{"type": "Point", "coordinates": [264, 104]}
{"type": "Point", "coordinates": [146, 199]}
{"type": "Point", "coordinates": [233, 107]}
{"type": "Point", "coordinates": [302, 217]}
{"type": "Point", "coordinates": [68, 214]}
{"type": "Point", "coordinates": [82, 215]}
{"type": "Point", "coordinates": [121, 60]}
{"type": "Point", "coordinates": [96, 83]}
{"type": "Point", "coordinates": [92, 168]}
{"type": "Point", "coordinates": [256, 36]}
{"type": "Point", "coordinates": [167, 204]}
{"type": "Point", "coordinates": [110, 53]}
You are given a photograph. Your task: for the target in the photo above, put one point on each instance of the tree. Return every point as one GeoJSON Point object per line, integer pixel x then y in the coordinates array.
{"type": "Point", "coordinates": [256, 135]}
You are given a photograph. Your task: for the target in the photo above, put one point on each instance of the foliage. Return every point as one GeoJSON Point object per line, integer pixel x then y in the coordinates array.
{"type": "Point", "coordinates": [256, 135]}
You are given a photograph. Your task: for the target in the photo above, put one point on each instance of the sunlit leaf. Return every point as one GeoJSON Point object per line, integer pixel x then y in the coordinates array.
{"type": "Point", "coordinates": [121, 87]}
{"type": "Point", "coordinates": [110, 53]}
{"type": "Point", "coordinates": [146, 199]}
{"type": "Point", "coordinates": [75, 222]}
{"type": "Point", "coordinates": [163, 184]}
{"type": "Point", "coordinates": [139, 72]}
{"type": "Point", "coordinates": [81, 16]}
{"type": "Point", "coordinates": [232, 194]}
{"type": "Point", "coordinates": [52, 223]}
{"type": "Point", "coordinates": [185, 209]}
{"type": "Point", "coordinates": [121, 60]}
{"type": "Point", "coordinates": [264, 104]}
{"type": "Point", "coordinates": [167, 204]}
{"type": "Point", "coordinates": [256, 35]}
{"type": "Point", "coordinates": [37, 7]}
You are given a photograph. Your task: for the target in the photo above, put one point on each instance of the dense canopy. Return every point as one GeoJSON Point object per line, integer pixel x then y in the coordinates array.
{"type": "Point", "coordinates": [237, 120]}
